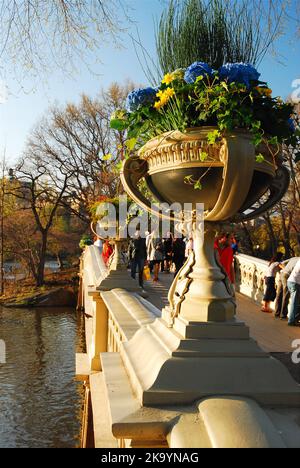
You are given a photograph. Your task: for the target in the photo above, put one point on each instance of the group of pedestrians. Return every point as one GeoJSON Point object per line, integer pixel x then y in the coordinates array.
{"type": "Point", "coordinates": [288, 290]}
{"type": "Point", "coordinates": [170, 253]}
{"type": "Point", "coordinates": [160, 254]}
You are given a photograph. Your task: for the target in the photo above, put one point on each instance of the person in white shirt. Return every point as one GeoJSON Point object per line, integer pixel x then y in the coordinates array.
{"type": "Point", "coordinates": [98, 243]}
{"type": "Point", "coordinates": [294, 288]}
{"type": "Point", "coordinates": [283, 293]}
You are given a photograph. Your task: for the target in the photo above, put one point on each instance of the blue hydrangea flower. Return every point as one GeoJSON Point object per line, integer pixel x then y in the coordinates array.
{"type": "Point", "coordinates": [291, 124]}
{"type": "Point", "coordinates": [195, 70]}
{"type": "Point", "coordinates": [239, 72]}
{"type": "Point", "coordinates": [140, 97]}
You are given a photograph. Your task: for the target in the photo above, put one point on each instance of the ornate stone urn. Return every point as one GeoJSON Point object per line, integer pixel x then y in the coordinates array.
{"type": "Point", "coordinates": [197, 366]}
{"type": "Point", "coordinates": [198, 348]}
{"type": "Point", "coordinates": [235, 187]}
{"type": "Point", "coordinates": [116, 275]}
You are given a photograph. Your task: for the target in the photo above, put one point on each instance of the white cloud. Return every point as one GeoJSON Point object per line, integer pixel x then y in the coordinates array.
{"type": "Point", "coordinates": [295, 96]}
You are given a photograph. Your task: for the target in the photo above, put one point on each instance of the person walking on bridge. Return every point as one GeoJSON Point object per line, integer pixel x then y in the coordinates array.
{"type": "Point", "coordinates": [293, 283]}
{"type": "Point", "coordinates": [137, 254]}
{"type": "Point", "coordinates": [270, 293]}
{"type": "Point", "coordinates": [283, 293]}
{"type": "Point", "coordinates": [155, 253]}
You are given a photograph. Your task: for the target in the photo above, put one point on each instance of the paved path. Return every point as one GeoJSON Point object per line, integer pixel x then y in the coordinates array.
{"type": "Point", "coordinates": [272, 335]}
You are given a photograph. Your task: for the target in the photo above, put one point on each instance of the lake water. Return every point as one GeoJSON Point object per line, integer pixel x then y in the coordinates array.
{"type": "Point", "coordinates": [40, 402]}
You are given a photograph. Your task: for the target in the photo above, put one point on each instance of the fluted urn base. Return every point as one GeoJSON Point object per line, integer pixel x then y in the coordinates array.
{"type": "Point", "coordinates": [201, 292]}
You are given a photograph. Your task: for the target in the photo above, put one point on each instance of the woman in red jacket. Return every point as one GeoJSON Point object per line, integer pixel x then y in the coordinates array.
{"type": "Point", "coordinates": [107, 251]}
{"type": "Point", "coordinates": [226, 255]}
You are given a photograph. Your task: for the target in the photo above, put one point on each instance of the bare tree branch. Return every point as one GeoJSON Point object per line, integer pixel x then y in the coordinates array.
{"type": "Point", "coordinates": [43, 35]}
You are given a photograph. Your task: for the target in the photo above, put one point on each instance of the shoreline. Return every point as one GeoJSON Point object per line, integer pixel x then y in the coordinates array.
{"type": "Point", "coordinates": [60, 290]}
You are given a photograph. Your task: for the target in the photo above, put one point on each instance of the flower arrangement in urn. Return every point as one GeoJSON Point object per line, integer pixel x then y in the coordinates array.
{"type": "Point", "coordinates": [228, 99]}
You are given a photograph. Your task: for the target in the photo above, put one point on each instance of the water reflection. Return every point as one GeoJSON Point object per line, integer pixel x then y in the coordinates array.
{"type": "Point", "coordinates": [39, 400]}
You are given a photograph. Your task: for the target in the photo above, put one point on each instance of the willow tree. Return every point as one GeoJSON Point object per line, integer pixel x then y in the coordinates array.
{"type": "Point", "coordinates": [216, 31]}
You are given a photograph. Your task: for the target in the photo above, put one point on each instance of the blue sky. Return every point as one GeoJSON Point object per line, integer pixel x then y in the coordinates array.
{"type": "Point", "coordinates": [22, 110]}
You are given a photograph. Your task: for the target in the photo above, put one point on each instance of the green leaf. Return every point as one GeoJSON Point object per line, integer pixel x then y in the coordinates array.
{"type": "Point", "coordinates": [118, 166]}
{"type": "Point", "coordinates": [198, 185]}
{"type": "Point", "coordinates": [134, 132]}
{"type": "Point", "coordinates": [130, 144]}
{"type": "Point", "coordinates": [188, 179]}
{"type": "Point", "coordinates": [213, 136]}
{"type": "Point", "coordinates": [224, 84]}
{"type": "Point", "coordinates": [260, 158]}
{"type": "Point", "coordinates": [203, 156]}
{"type": "Point", "coordinates": [273, 140]}
{"type": "Point", "coordinates": [256, 125]}
{"type": "Point", "coordinates": [256, 140]}
{"type": "Point", "coordinates": [118, 124]}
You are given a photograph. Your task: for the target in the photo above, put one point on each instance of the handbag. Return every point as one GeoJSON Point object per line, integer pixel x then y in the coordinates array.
{"type": "Point", "coordinates": [146, 273]}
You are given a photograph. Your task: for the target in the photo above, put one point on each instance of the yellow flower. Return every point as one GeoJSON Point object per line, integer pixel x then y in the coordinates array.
{"type": "Point", "coordinates": [264, 91]}
{"type": "Point", "coordinates": [164, 97]}
{"type": "Point", "coordinates": [158, 105]}
{"type": "Point", "coordinates": [169, 92]}
{"type": "Point", "coordinates": [168, 78]}
{"type": "Point", "coordinates": [162, 102]}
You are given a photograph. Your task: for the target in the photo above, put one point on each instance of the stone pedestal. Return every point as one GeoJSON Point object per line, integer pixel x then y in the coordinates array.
{"type": "Point", "coordinates": [191, 361]}
{"type": "Point", "coordinates": [201, 292]}
{"type": "Point", "coordinates": [118, 276]}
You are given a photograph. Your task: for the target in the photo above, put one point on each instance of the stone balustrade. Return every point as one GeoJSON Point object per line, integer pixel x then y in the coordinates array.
{"type": "Point", "coordinates": [250, 275]}
{"type": "Point", "coordinates": [93, 272]}
{"type": "Point", "coordinates": [127, 313]}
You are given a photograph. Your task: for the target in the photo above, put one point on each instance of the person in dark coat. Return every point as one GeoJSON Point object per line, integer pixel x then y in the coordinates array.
{"type": "Point", "coordinates": [137, 254]}
{"type": "Point", "coordinates": [178, 254]}
{"type": "Point", "coordinates": [270, 292]}
{"type": "Point", "coordinates": [168, 251]}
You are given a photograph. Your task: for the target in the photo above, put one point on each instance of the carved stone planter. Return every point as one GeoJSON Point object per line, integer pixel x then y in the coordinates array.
{"type": "Point", "coordinates": [232, 180]}
{"type": "Point", "coordinates": [232, 183]}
